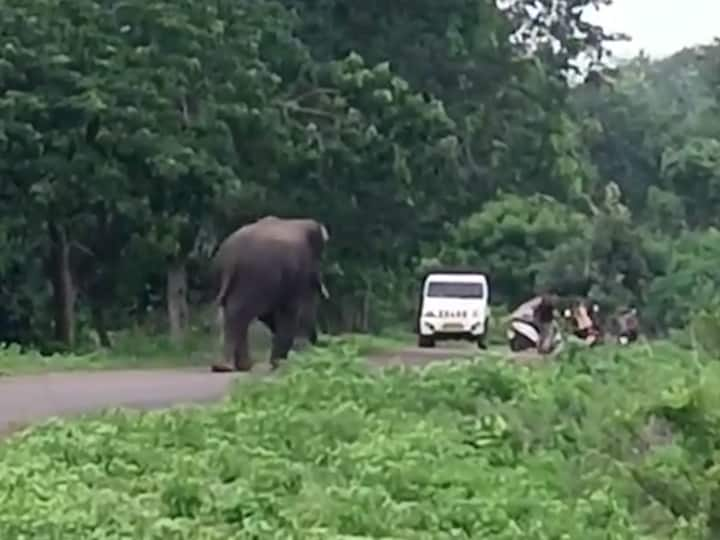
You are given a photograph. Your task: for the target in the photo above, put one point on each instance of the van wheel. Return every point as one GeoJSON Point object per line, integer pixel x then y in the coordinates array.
{"type": "Point", "coordinates": [482, 343]}
{"type": "Point", "coordinates": [426, 341]}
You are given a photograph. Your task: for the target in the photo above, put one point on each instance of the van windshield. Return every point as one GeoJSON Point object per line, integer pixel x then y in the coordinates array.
{"type": "Point", "coordinates": [455, 289]}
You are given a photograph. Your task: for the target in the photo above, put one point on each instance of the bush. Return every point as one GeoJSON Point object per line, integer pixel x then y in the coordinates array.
{"type": "Point", "coordinates": [613, 264]}
{"type": "Point", "coordinates": [691, 282]}
{"type": "Point", "coordinates": [606, 444]}
{"type": "Point", "coordinates": [510, 237]}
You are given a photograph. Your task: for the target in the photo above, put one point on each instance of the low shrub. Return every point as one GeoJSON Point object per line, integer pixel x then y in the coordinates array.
{"type": "Point", "coordinates": [607, 444]}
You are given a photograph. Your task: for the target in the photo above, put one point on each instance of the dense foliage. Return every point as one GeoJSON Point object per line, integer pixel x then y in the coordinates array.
{"type": "Point", "coordinates": [135, 135]}
{"type": "Point", "coordinates": [607, 444]}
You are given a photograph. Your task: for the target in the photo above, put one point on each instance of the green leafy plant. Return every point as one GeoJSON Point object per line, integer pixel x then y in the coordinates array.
{"type": "Point", "coordinates": [608, 444]}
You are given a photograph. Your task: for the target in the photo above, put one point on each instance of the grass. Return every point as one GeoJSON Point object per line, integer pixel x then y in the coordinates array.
{"type": "Point", "coordinates": [365, 345]}
{"type": "Point", "coordinates": [138, 350]}
{"type": "Point", "coordinates": [604, 444]}
{"type": "Point", "coordinates": [131, 350]}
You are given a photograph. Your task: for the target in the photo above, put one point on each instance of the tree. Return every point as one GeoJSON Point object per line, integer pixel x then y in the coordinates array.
{"type": "Point", "coordinates": [693, 172]}
{"type": "Point", "coordinates": [52, 96]}
{"type": "Point", "coordinates": [510, 237]}
{"type": "Point", "coordinates": [374, 160]}
{"type": "Point", "coordinates": [634, 113]}
{"type": "Point", "coordinates": [502, 74]}
{"type": "Point", "coordinates": [612, 261]}
{"type": "Point", "coordinates": [690, 284]}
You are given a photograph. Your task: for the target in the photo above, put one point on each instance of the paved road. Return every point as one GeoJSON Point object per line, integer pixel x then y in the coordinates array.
{"type": "Point", "coordinates": [26, 399]}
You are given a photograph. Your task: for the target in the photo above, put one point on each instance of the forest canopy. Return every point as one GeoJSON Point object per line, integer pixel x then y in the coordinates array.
{"type": "Point", "coordinates": [136, 135]}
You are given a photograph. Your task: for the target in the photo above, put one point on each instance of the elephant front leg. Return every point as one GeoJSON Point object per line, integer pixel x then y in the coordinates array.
{"type": "Point", "coordinates": [268, 320]}
{"type": "Point", "coordinates": [313, 335]}
{"type": "Point", "coordinates": [241, 352]}
{"type": "Point", "coordinates": [286, 326]}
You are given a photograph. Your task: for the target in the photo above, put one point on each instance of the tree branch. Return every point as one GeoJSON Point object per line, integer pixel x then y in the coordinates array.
{"type": "Point", "coordinates": [307, 110]}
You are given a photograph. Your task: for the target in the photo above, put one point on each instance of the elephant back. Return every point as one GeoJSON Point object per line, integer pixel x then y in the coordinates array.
{"type": "Point", "coordinates": [295, 230]}
{"type": "Point", "coordinates": [272, 250]}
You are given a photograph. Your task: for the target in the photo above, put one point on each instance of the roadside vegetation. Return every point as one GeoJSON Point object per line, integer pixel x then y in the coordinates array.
{"type": "Point", "coordinates": [132, 350]}
{"type": "Point", "coordinates": [145, 346]}
{"type": "Point", "coordinates": [613, 443]}
{"type": "Point", "coordinates": [200, 347]}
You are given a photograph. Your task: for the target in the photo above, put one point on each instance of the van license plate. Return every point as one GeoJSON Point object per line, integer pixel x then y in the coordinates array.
{"type": "Point", "coordinates": [452, 326]}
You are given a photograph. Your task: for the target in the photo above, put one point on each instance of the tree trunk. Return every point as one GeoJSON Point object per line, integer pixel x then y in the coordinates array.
{"type": "Point", "coordinates": [367, 297]}
{"type": "Point", "coordinates": [98, 316]}
{"type": "Point", "coordinates": [348, 314]}
{"type": "Point", "coordinates": [177, 304]}
{"type": "Point", "coordinates": [62, 284]}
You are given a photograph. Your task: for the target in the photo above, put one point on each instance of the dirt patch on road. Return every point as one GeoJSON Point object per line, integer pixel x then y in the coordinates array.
{"type": "Point", "coordinates": [417, 357]}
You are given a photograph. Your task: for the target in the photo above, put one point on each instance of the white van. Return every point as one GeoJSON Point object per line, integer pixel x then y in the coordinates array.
{"type": "Point", "coordinates": [453, 305]}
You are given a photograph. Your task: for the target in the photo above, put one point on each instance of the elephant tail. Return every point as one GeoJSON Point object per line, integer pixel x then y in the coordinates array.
{"type": "Point", "coordinates": [224, 288]}
{"type": "Point", "coordinates": [220, 321]}
{"type": "Point", "coordinates": [220, 303]}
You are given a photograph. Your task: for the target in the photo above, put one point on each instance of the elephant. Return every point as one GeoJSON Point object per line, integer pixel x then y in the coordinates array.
{"type": "Point", "coordinates": [307, 322]}
{"type": "Point", "coordinates": [268, 270]}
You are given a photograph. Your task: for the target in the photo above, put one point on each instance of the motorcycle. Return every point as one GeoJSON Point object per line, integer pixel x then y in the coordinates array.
{"type": "Point", "coordinates": [583, 323]}
{"type": "Point", "coordinates": [532, 326]}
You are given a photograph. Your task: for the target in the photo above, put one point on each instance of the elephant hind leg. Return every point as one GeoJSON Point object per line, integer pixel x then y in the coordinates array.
{"type": "Point", "coordinates": [241, 353]}
{"type": "Point", "coordinates": [235, 342]}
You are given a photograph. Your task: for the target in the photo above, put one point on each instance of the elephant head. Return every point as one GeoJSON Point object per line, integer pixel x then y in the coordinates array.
{"type": "Point", "coordinates": [316, 233]}
{"type": "Point", "coordinates": [269, 270]}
